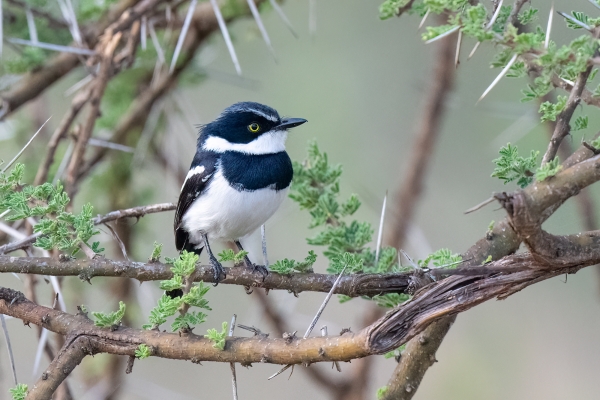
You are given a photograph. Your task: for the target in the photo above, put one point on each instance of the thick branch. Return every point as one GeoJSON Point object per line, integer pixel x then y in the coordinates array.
{"type": "Point", "coordinates": [192, 347]}
{"type": "Point", "coordinates": [417, 357]}
{"type": "Point", "coordinates": [63, 364]}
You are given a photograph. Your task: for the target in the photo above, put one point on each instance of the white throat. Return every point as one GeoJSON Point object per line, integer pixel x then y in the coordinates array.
{"type": "Point", "coordinates": [267, 143]}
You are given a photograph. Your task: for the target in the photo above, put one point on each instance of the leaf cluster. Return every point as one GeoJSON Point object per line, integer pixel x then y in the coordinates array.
{"type": "Point", "coordinates": [230, 255]}
{"type": "Point", "coordinates": [19, 392]}
{"type": "Point", "coordinates": [218, 337]}
{"type": "Point", "coordinates": [59, 229]}
{"type": "Point", "coordinates": [143, 351]}
{"type": "Point", "coordinates": [510, 166]}
{"type": "Point", "coordinates": [175, 298]}
{"type": "Point", "coordinates": [287, 266]}
{"type": "Point", "coordinates": [105, 320]}
{"type": "Point", "coordinates": [548, 170]}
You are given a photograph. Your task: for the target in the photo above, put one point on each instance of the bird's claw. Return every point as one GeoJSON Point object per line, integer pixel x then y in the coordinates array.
{"type": "Point", "coordinates": [218, 271]}
{"type": "Point", "coordinates": [257, 268]}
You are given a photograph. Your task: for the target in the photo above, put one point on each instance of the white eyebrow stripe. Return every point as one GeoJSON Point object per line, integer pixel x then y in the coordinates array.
{"type": "Point", "coordinates": [268, 143]}
{"type": "Point", "coordinates": [199, 169]}
{"type": "Point", "coordinates": [270, 117]}
{"type": "Point", "coordinates": [262, 114]}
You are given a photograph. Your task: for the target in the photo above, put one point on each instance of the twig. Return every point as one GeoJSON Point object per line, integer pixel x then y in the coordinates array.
{"type": "Point", "coordinates": [52, 21]}
{"type": "Point", "coordinates": [232, 365]}
{"type": "Point", "coordinates": [335, 363]}
{"type": "Point", "coordinates": [9, 348]}
{"type": "Point", "coordinates": [316, 318]}
{"type": "Point", "coordinates": [563, 128]}
{"type": "Point", "coordinates": [263, 235]}
{"type": "Point", "coordinates": [513, 17]}
{"type": "Point", "coordinates": [97, 92]}
{"type": "Point", "coordinates": [15, 158]}
{"type": "Point", "coordinates": [480, 205]}
{"type": "Point", "coordinates": [61, 130]}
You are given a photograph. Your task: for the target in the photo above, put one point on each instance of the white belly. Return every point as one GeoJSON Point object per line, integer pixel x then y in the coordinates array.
{"type": "Point", "coordinates": [224, 213]}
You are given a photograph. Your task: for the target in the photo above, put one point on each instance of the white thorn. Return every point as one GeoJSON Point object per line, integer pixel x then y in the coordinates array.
{"type": "Point", "coordinates": [380, 233]}
{"type": "Point", "coordinates": [225, 33]}
{"type": "Point", "coordinates": [283, 17]}
{"type": "Point", "coordinates": [496, 13]}
{"type": "Point", "coordinates": [261, 27]}
{"type": "Point", "coordinates": [424, 19]}
{"type": "Point", "coordinates": [502, 73]}
{"type": "Point", "coordinates": [15, 158]}
{"type": "Point", "coordinates": [443, 35]}
{"type": "Point", "coordinates": [184, 29]}
{"type": "Point", "coordinates": [549, 27]}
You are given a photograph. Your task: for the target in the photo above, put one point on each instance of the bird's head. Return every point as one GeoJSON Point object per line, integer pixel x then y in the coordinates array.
{"type": "Point", "coordinates": [247, 127]}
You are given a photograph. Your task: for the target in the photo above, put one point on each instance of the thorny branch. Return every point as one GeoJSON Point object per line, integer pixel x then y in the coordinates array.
{"type": "Point", "coordinates": [562, 128]}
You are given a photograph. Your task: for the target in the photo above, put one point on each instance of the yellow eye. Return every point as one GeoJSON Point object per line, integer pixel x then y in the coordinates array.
{"type": "Point", "coordinates": [254, 127]}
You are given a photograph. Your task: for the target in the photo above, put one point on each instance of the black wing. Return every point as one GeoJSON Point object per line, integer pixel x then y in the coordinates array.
{"type": "Point", "coordinates": [203, 166]}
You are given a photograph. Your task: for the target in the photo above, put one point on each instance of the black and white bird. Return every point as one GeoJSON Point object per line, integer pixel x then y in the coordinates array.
{"type": "Point", "coordinates": [238, 178]}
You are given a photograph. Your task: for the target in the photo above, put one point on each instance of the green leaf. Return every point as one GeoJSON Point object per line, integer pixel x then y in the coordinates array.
{"type": "Point", "coordinates": [111, 319]}
{"type": "Point", "coordinates": [581, 123]}
{"type": "Point", "coordinates": [188, 320]}
{"type": "Point", "coordinates": [381, 392]}
{"type": "Point", "coordinates": [389, 8]}
{"type": "Point", "coordinates": [218, 337]}
{"type": "Point", "coordinates": [510, 166]}
{"type": "Point", "coordinates": [165, 308]}
{"type": "Point", "coordinates": [548, 170]}
{"type": "Point", "coordinates": [579, 16]}
{"type": "Point", "coordinates": [287, 266]}
{"type": "Point", "coordinates": [195, 297]}
{"type": "Point", "coordinates": [143, 351]}
{"type": "Point", "coordinates": [185, 265]}
{"type": "Point", "coordinates": [442, 258]}
{"type": "Point", "coordinates": [176, 282]}
{"type": "Point", "coordinates": [156, 252]}
{"type": "Point", "coordinates": [528, 16]}
{"type": "Point", "coordinates": [395, 353]}
{"type": "Point", "coordinates": [550, 110]}
{"type": "Point", "coordinates": [19, 392]}
{"type": "Point", "coordinates": [230, 255]}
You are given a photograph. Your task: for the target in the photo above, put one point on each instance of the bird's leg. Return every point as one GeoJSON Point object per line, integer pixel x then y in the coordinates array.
{"type": "Point", "coordinates": [217, 267]}
{"type": "Point", "coordinates": [249, 264]}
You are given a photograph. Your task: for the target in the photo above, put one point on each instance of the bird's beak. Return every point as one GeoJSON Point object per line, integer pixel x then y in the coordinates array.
{"type": "Point", "coordinates": [288, 123]}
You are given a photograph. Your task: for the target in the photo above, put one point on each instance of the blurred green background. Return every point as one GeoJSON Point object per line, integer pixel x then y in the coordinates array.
{"type": "Point", "coordinates": [361, 83]}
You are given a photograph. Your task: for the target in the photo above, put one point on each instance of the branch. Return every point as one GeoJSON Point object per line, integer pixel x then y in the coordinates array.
{"type": "Point", "coordinates": [135, 212]}
{"type": "Point", "coordinates": [351, 285]}
{"type": "Point", "coordinates": [36, 82]}
{"type": "Point", "coordinates": [63, 364]}
{"type": "Point", "coordinates": [563, 128]}
{"type": "Point", "coordinates": [514, 13]}
{"type": "Point", "coordinates": [417, 357]}
{"type": "Point", "coordinates": [192, 347]}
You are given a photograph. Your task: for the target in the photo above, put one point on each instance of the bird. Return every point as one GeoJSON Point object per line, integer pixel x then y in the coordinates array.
{"type": "Point", "coordinates": [238, 178]}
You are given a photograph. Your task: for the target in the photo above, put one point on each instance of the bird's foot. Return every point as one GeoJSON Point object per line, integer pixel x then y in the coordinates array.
{"type": "Point", "coordinates": [256, 268]}
{"type": "Point", "coordinates": [218, 271]}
